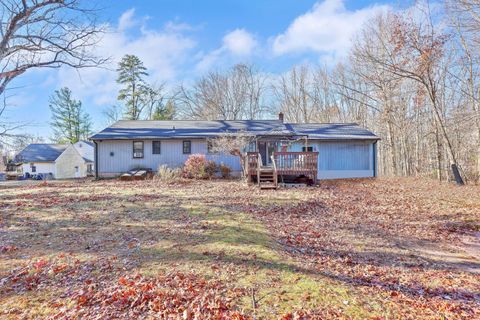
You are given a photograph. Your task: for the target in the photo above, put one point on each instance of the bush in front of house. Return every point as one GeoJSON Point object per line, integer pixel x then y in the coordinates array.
{"type": "Point", "coordinates": [166, 174]}
{"type": "Point", "coordinates": [225, 170]}
{"type": "Point", "coordinates": [198, 167]}
{"type": "Point", "coordinates": [210, 169]}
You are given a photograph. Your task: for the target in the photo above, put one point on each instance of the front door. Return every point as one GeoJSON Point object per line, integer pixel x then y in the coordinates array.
{"type": "Point", "coordinates": [266, 149]}
{"type": "Point", "coordinates": [262, 149]}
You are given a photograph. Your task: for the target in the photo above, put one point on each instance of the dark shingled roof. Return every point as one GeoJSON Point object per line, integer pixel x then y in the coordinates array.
{"type": "Point", "coordinates": [147, 129]}
{"type": "Point", "coordinates": [40, 152]}
{"type": "Point", "coordinates": [332, 131]}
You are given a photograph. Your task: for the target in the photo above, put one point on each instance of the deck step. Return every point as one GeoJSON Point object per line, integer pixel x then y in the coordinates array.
{"type": "Point", "coordinates": [270, 186]}
{"type": "Point", "coordinates": [266, 178]}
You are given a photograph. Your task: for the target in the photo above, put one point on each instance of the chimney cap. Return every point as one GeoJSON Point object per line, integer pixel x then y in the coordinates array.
{"type": "Point", "coordinates": [280, 116]}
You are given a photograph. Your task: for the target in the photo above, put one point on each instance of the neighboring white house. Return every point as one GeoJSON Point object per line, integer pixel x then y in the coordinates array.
{"type": "Point", "coordinates": [344, 150]}
{"type": "Point", "coordinates": [59, 161]}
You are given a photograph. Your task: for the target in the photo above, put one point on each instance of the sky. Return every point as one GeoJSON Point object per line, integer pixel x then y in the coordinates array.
{"type": "Point", "coordinates": [181, 40]}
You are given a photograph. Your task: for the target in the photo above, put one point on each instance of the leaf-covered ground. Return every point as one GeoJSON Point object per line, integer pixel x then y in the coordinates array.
{"type": "Point", "coordinates": [379, 249]}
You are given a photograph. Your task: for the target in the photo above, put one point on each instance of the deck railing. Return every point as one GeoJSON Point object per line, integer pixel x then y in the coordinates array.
{"type": "Point", "coordinates": [252, 162]}
{"type": "Point", "coordinates": [286, 163]}
{"type": "Point", "coordinates": [296, 161]}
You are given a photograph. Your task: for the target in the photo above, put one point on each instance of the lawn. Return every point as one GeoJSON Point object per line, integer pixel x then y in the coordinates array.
{"type": "Point", "coordinates": [378, 249]}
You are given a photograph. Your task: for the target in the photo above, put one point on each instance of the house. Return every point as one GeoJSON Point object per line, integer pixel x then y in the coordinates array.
{"type": "Point", "coordinates": [59, 161]}
{"type": "Point", "coordinates": [341, 150]}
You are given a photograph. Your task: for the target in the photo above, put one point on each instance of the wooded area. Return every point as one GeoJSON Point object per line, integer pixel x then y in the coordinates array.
{"type": "Point", "coordinates": [411, 76]}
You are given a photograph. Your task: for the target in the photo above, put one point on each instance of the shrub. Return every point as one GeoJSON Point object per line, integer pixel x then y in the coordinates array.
{"type": "Point", "coordinates": [198, 167]}
{"type": "Point", "coordinates": [167, 174]}
{"type": "Point", "coordinates": [210, 169]}
{"type": "Point", "coordinates": [225, 170]}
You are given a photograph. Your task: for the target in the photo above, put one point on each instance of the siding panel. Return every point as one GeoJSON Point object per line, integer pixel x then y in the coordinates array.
{"type": "Point", "coordinates": [42, 167]}
{"type": "Point", "coordinates": [342, 159]}
{"type": "Point", "coordinates": [66, 163]}
{"type": "Point", "coordinates": [171, 155]}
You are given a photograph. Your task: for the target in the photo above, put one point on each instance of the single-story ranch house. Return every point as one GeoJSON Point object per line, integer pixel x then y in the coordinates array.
{"type": "Point", "coordinates": [340, 150]}
{"type": "Point", "coordinates": [58, 161]}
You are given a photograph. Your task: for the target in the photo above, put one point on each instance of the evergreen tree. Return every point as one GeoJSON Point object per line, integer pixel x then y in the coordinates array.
{"type": "Point", "coordinates": [70, 122]}
{"type": "Point", "coordinates": [131, 72]}
{"type": "Point", "coordinates": [163, 112]}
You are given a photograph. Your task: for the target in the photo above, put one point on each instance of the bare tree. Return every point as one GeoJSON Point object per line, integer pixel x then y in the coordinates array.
{"type": "Point", "coordinates": [414, 50]}
{"type": "Point", "coordinates": [7, 127]}
{"type": "Point", "coordinates": [235, 144]}
{"type": "Point", "coordinates": [46, 34]}
{"type": "Point", "coordinates": [233, 95]}
{"type": "Point", "coordinates": [292, 93]}
{"type": "Point", "coordinates": [465, 18]}
{"type": "Point", "coordinates": [384, 90]}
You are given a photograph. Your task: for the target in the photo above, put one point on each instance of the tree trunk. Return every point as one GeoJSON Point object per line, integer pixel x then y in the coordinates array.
{"type": "Point", "coordinates": [439, 146]}
{"type": "Point", "coordinates": [440, 122]}
{"type": "Point", "coordinates": [392, 148]}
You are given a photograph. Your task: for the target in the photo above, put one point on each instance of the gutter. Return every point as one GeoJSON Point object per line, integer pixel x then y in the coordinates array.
{"type": "Point", "coordinates": [96, 159]}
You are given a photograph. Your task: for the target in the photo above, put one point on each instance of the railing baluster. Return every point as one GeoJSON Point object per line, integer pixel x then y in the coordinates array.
{"type": "Point", "coordinates": [296, 163]}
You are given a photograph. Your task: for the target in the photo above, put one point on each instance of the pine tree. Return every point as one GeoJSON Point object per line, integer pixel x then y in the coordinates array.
{"type": "Point", "coordinates": [70, 122]}
{"type": "Point", "coordinates": [164, 112]}
{"type": "Point", "coordinates": [131, 72]}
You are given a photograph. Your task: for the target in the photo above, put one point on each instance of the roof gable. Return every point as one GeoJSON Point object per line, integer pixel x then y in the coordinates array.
{"type": "Point", "coordinates": [85, 149]}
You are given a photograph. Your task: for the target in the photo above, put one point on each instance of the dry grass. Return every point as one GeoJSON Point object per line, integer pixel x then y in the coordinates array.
{"type": "Point", "coordinates": [387, 248]}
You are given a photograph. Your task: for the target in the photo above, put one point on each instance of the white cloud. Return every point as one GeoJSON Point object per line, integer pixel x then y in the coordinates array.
{"type": "Point", "coordinates": [127, 20]}
{"type": "Point", "coordinates": [237, 44]}
{"type": "Point", "coordinates": [327, 28]}
{"type": "Point", "coordinates": [164, 53]}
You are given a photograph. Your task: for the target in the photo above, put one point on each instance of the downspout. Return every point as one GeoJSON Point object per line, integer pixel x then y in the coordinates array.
{"type": "Point", "coordinates": [96, 159]}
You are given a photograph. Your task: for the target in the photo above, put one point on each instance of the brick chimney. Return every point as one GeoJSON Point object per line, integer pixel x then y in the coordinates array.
{"type": "Point", "coordinates": [280, 116]}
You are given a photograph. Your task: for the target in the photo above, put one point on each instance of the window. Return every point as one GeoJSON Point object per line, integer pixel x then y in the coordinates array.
{"type": "Point", "coordinates": [307, 149]}
{"type": "Point", "coordinates": [34, 168]}
{"type": "Point", "coordinates": [156, 147]}
{"type": "Point", "coordinates": [187, 147]}
{"type": "Point", "coordinates": [138, 149]}
{"type": "Point", "coordinates": [89, 168]}
{"type": "Point", "coordinates": [252, 147]}
{"type": "Point", "coordinates": [76, 169]}
{"type": "Point", "coordinates": [210, 146]}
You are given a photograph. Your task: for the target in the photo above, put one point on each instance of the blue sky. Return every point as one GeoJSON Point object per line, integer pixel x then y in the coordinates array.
{"type": "Point", "coordinates": [181, 40]}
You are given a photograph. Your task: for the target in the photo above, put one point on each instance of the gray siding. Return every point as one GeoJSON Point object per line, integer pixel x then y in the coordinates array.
{"type": "Point", "coordinates": [342, 159]}
{"type": "Point", "coordinates": [339, 159]}
{"type": "Point", "coordinates": [171, 155]}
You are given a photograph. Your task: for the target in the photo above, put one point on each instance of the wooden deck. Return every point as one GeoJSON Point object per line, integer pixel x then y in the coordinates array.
{"type": "Point", "coordinates": [283, 164]}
